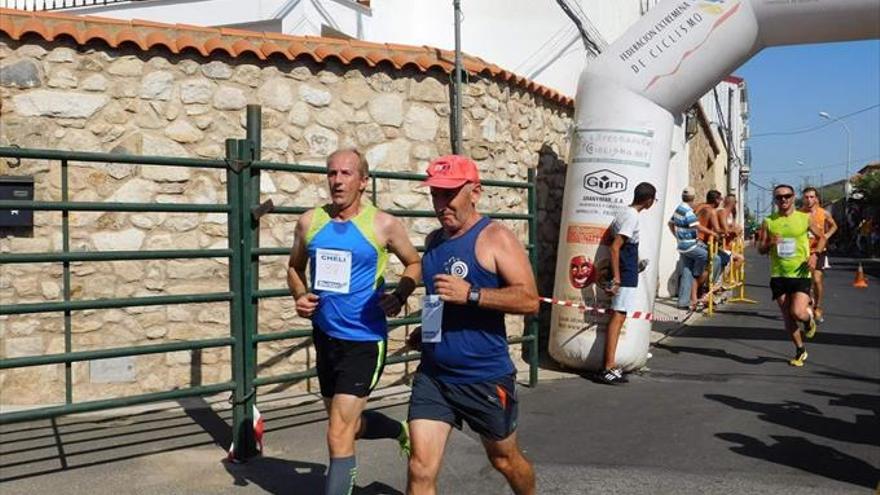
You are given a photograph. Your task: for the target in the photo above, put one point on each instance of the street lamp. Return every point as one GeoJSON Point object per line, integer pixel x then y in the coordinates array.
{"type": "Point", "coordinates": [846, 186]}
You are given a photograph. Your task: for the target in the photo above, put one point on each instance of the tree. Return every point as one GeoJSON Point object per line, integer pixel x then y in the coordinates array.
{"type": "Point", "coordinates": [869, 186]}
{"type": "Point", "coordinates": [751, 222]}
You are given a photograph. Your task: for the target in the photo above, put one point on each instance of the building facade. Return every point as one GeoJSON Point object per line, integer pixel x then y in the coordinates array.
{"type": "Point", "coordinates": [88, 84]}
{"type": "Point", "coordinates": [533, 38]}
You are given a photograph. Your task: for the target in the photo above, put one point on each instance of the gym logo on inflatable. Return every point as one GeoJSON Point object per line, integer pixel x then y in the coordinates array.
{"type": "Point", "coordinates": [605, 182]}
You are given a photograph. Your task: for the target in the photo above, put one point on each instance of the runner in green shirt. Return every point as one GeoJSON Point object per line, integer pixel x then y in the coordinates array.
{"type": "Point", "coordinates": [784, 236]}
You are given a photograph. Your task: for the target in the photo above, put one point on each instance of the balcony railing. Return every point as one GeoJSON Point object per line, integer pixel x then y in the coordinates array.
{"type": "Point", "coordinates": [42, 5]}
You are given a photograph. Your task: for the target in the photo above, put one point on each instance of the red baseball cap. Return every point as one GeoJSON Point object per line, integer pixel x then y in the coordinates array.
{"type": "Point", "coordinates": [451, 172]}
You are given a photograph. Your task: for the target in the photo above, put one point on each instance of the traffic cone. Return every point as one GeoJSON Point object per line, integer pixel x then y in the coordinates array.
{"type": "Point", "coordinates": [860, 282]}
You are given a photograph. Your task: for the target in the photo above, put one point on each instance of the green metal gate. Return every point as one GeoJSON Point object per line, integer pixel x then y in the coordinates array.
{"type": "Point", "coordinates": [243, 208]}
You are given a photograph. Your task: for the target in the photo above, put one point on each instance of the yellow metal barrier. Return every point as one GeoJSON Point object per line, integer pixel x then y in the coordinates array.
{"type": "Point", "coordinates": [739, 273]}
{"type": "Point", "coordinates": [735, 278]}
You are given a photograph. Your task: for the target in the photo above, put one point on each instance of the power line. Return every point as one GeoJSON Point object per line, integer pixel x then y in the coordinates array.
{"type": "Point", "coordinates": [589, 44]}
{"type": "Point", "coordinates": [722, 124]}
{"type": "Point", "coordinates": [759, 186]}
{"type": "Point", "coordinates": [813, 128]}
{"type": "Point", "coordinates": [822, 167]}
{"type": "Point", "coordinates": [556, 38]}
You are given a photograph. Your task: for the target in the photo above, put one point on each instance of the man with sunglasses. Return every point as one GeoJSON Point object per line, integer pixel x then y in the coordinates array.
{"type": "Point", "coordinates": [785, 236]}
{"type": "Point", "coordinates": [475, 271]}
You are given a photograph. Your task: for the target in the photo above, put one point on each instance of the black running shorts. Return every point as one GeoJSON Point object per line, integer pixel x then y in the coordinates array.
{"type": "Point", "coordinates": [489, 408]}
{"type": "Point", "coordinates": [348, 366]}
{"type": "Point", "coordinates": [783, 285]}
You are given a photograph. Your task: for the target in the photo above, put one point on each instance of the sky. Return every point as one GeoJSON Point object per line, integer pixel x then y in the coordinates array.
{"type": "Point", "coordinates": [788, 87]}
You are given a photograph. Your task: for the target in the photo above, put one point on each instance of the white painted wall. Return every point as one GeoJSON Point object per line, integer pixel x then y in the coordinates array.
{"type": "Point", "coordinates": [676, 180]}
{"type": "Point", "coordinates": [737, 107]}
{"type": "Point", "coordinates": [533, 38]}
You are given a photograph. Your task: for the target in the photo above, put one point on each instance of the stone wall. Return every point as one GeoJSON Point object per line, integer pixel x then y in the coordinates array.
{"type": "Point", "coordinates": [707, 159]}
{"type": "Point", "coordinates": [93, 98]}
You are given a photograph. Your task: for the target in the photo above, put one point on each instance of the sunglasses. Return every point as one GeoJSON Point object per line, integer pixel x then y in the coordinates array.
{"type": "Point", "coordinates": [783, 197]}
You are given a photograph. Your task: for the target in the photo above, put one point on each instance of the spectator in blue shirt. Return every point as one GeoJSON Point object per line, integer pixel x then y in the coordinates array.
{"type": "Point", "coordinates": [694, 254]}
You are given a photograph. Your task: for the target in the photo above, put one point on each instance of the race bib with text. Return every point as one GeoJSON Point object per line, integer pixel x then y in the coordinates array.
{"type": "Point", "coordinates": [432, 319]}
{"type": "Point", "coordinates": [786, 248]}
{"type": "Point", "coordinates": [333, 270]}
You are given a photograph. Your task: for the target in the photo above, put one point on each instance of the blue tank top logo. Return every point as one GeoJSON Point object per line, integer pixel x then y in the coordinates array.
{"type": "Point", "coordinates": [456, 267]}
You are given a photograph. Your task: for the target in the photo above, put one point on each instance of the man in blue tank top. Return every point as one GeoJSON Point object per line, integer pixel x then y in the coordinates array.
{"type": "Point", "coordinates": [475, 271]}
{"type": "Point", "coordinates": [345, 244]}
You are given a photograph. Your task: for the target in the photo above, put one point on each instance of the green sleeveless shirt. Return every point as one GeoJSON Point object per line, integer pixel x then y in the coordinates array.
{"type": "Point", "coordinates": [788, 259]}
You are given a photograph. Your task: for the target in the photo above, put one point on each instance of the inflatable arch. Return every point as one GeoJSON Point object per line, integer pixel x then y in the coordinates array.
{"type": "Point", "coordinates": [626, 104]}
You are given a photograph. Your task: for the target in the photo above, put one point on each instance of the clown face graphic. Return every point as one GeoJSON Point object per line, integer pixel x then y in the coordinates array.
{"type": "Point", "coordinates": [581, 272]}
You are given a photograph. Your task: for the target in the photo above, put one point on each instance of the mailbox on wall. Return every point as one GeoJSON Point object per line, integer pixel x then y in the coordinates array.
{"type": "Point", "coordinates": [16, 189]}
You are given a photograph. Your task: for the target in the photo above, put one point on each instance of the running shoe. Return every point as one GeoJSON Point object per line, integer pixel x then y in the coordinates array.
{"type": "Point", "coordinates": [403, 440]}
{"type": "Point", "coordinates": [799, 357]}
{"type": "Point", "coordinates": [810, 327]}
{"type": "Point", "coordinates": [820, 315]}
{"type": "Point", "coordinates": [612, 376]}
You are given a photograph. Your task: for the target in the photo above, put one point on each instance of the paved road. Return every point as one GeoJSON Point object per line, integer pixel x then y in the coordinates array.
{"type": "Point", "coordinates": [719, 411]}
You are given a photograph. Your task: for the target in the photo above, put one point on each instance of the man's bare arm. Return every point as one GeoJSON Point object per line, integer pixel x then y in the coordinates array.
{"type": "Point", "coordinates": [705, 230]}
{"type": "Point", "coordinates": [296, 264]}
{"type": "Point", "coordinates": [830, 227]}
{"type": "Point", "coordinates": [616, 244]}
{"type": "Point", "coordinates": [821, 239]}
{"type": "Point", "coordinates": [306, 302]}
{"type": "Point", "coordinates": [400, 245]}
{"type": "Point", "coordinates": [763, 239]}
{"type": "Point", "coordinates": [519, 295]}
{"type": "Point", "coordinates": [397, 240]}
{"type": "Point", "coordinates": [499, 246]}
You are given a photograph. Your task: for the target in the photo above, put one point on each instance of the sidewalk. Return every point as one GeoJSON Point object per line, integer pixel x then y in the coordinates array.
{"type": "Point", "coordinates": [718, 411]}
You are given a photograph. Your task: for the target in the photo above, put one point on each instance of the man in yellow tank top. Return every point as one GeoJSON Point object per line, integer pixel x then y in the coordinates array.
{"type": "Point", "coordinates": [823, 221]}
{"type": "Point", "coordinates": [785, 237]}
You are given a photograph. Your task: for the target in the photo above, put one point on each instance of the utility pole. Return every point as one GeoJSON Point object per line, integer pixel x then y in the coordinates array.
{"type": "Point", "coordinates": [731, 182]}
{"type": "Point", "coordinates": [846, 184]}
{"type": "Point", "coordinates": [456, 92]}
{"type": "Point", "coordinates": [758, 210]}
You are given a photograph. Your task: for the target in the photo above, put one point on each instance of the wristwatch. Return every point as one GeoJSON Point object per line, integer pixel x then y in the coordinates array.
{"type": "Point", "coordinates": [473, 297]}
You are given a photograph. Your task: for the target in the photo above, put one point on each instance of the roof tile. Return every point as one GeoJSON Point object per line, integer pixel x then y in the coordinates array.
{"type": "Point", "coordinates": [34, 26]}
{"type": "Point", "coordinates": [217, 43]}
{"type": "Point", "coordinates": [236, 42]}
{"type": "Point", "coordinates": [129, 35]}
{"type": "Point", "coordinates": [161, 38]}
{"type": "Point", "coordinates": [187, 41]}
{"type": "Point", "coordinates": [244, 45]}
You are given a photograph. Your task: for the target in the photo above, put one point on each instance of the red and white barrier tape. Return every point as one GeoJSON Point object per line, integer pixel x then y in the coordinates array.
{"type": "Point", "coordinates": [636, 315]}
